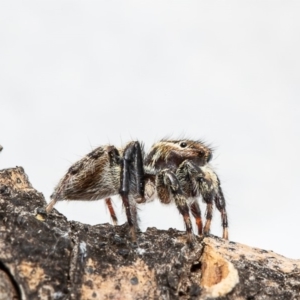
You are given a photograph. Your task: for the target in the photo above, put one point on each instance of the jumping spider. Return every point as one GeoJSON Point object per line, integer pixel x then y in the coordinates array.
{"type": "Point", "coordinates": [176, 170]}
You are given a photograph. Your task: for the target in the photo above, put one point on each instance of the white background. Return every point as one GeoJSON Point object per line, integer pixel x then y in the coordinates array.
{"type": "Point", "coordinates": [78, 74]}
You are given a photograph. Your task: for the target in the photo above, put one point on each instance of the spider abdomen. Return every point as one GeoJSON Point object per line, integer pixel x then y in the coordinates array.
{"type": "Point", "coordinates": [91, 178]}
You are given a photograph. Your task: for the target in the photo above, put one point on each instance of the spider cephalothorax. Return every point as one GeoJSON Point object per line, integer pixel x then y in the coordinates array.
{"type": "Point", "coordinates": [169, 154]}
{"type": "Point", "coordinates": [174, 170]}
{"type": "Point", "coordinates": [188, 161]}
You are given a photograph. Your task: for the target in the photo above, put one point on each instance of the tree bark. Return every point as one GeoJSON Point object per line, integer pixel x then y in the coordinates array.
{"type": "Point", "coordinates": [48, 257]}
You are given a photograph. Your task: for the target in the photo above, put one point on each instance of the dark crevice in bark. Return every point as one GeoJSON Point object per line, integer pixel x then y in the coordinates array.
{"type": "Point", "coordinates": [14, 283]}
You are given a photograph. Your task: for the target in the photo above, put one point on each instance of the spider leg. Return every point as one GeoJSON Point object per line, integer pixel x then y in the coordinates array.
{"type": "Point", "coordinates": [209, 213]}
{"type": "Point", "coordinates": [114, 158]}
{"type": "Point", "coordinates": [220, 204]}
{"type": "Point", "coordinates": [167, 181]}
{"type": "Point", "coordinates": [211, 191]}
{"type": "Point", "coordinates": [187, 174]}
{"type": "Point", "coordinates": [203, 181]}
{"type": "Point", "coordinates": [139, 171]}
{"type": "Point", "coordinates": [196, 212]}
{"type": "Point", "coordinates": [162, 184]}
{"type": "Point", "coordinates": [132, 163]}
{"type": "Point", "coordinates": [111, 210]}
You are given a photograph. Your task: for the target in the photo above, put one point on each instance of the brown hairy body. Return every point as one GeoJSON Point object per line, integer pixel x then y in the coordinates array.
{"type": "Point", "coordinates": [173, 170]}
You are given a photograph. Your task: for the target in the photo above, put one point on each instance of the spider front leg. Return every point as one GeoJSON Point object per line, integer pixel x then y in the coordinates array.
{"type": "Point", "coordinates": [220, 204]}
{"type": "Point", "coordinates": [167, 186]}
{"type": "Point", "coordinates": [203, 181]}
{"type": "Point", "coordinates": [186, 174]}
{"type": "Point", "coordinates": [211, 191]}
{"type": "Point", "coordinates": [132, 176]}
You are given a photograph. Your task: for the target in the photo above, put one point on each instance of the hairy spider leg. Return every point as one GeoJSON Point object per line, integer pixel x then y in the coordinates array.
{"type": "Point", "coordinates": [132, 161]}
{"type": "Point", "coordinates": [220, 204]}
{"type": "Point", "coordinates": [209, 212]}
{"type": "Point", "coordinates": [203, 180]}
{"type": "Point", "coordinates": [163, 187]}
{"type": "Point", "coordinates": [196, 212]}
{"type": "Point", "coordinates": [111, 210]}
{"type": "Point", "coordinates": [139, 172]}
{"type": "Point", "coordinates": [188, 173]}
{"type": "Point", "coordinates": [216, 195]}
{"type": "Point", "coordinates": [166, 180]}
{"type": "Point", "coordinates": [208, 193]}
{"type": "Point", "coordinates": [114, 158]}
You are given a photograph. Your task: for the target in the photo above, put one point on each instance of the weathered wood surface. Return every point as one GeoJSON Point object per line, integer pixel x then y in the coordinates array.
{"type": "Point", "coordinates": [50, 258]}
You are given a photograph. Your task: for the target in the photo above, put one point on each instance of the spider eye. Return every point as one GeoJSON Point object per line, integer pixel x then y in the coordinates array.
{"type": "Point", "coordinates": [183, 144]}
{"type": "Point", "coordinates": [200, 179]}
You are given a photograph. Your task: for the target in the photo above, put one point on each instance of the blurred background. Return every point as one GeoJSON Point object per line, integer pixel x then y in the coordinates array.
{"type": "Point", "coordinates": [75, 75]}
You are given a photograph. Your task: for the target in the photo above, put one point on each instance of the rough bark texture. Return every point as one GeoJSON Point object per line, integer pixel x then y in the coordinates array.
{"type": "Point", "coordinates": [50, 258]}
